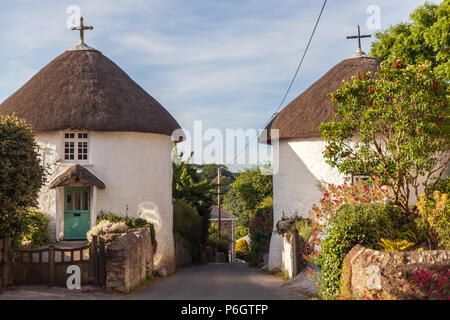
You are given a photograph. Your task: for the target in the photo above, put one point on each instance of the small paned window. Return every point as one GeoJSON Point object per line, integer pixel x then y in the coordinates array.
{"type": "Point", "coordinates": [358, 177]}
{"type": "Point", "coordinates": [76, 146]}
{"type": "Point", "coordinates": [69, 150]}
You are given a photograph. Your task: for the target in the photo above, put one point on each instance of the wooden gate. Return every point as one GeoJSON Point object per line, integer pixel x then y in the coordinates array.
{"type": "Point", "coordinates": [1, 263]}
{"type": "Point", "coordinates": [4, 266]}
{"type": "Point", "coordinates": [49, 265]}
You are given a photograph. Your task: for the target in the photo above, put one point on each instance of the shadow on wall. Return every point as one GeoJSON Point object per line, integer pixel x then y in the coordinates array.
{"type": "Point", "coordinates": [311, 152]}
{"type": "Point", "coordinates": [295, 189]}
{"type": "Point", "coordinates": [295, 185]}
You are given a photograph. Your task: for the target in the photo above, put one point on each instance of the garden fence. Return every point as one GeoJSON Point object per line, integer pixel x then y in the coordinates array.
{"type": "Point", "coordinates": [4, 265]}
{"type": "Point", "coordinates": [48, 265]}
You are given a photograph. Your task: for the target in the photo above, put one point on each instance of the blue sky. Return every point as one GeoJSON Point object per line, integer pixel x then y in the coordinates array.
{"type": "Point", "coordinates": [225, 62]}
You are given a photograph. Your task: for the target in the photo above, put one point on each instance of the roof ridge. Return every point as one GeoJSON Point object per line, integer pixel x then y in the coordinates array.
{"type": "Point", "coordinates": [222, 209]}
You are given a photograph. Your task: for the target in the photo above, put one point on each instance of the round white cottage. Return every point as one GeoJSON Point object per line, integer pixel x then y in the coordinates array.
{"type": "Point", "coordinates": [107, 144]}
{"type": "Point", "coordinates": [301, 161]}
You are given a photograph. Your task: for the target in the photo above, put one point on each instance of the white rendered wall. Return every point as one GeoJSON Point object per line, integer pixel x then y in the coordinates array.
{"type": "Point", "coordinates": [137, 171]}
{"type": "Point", "coordinates": [287, 256]}
{"type": "Point", "coordinates": [49, 142]}
{"type": "Point", "coordinates": [295, 186]}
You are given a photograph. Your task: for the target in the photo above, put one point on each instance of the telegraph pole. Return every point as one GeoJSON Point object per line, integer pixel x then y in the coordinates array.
{"type": "Point", "coordinates": [218, 198]}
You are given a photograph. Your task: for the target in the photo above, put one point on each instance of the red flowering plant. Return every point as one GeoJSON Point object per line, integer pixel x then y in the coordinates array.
{"type": "Point", "coordinates": [260, 229]}
{"type": "Point", "coordinates": [262, 223]}
{"type": "Point", "coordinates": [335, 196]}
{"type": "Point", "coordinates": [348, 214]}
{"type": "Point", "coordinates": [431, 285]}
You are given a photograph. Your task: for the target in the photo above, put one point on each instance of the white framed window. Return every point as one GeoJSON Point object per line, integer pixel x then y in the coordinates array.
{"type": "Point", "coordinates": [76, 146]}
{"type": "Point", "coordinates": [359, 177]}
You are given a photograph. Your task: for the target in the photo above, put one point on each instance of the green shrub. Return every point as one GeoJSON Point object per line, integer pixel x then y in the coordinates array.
{"type": "Point", "coordinates": [222, 244]}
{"type": "Point", "coordinates": [34, 228]}
{"type": "Point", "coordinates": [242, 250]}
{"type": "Point", "coordinates": [187, 227]}
{"type": "Point", "coordinates": [304, 229]}
{"type": "Point", "coordinates": [433, 221]}
{"type": "Point", "coordinates": [241, 231]}
{"type": "Point", "coordinates": [260, 230]}
{"type": "Point", "coordinates": [131, 223]}
{"type": "Point", "coordinates": [109, 217]}
{"type": "Point", "coordinates": [266, 203]}
{"type": "Point", "coordinates": [302, 225]}
{"type": "Point", "coordinates": [219, 245]}
{"type": "Point", "coordinates": [106, 227]}
{"type": "Point", "coordinates": [21, 174]}
{"type": "Point", "coordinates": [442, 185]}
{"type": "Point", "coordinates": [358, 223]}
{"type": "Point", "coordinates": [395, 245]}
{"type": "Point", "coordinates": [189, 185]}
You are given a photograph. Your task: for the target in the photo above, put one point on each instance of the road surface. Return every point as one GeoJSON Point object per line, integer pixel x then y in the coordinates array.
{"type": "Point", "coordinates": [202, 282]}
{"type": "Point", "coordinates": [218, 281]}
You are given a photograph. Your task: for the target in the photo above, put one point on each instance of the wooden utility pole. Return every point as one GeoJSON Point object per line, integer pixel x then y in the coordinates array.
{"type": "Point", "coordinates": [218, 199]}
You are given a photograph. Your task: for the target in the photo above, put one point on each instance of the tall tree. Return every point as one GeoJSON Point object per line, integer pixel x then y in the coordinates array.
{"type": "Point", "coordinates": [188, 185]}
{"type": "Point", "coordinates": [394, 125]}
{"type": "Point", "coordinates": [425, 37]}
{"type": "Point", "coordinates": [209, 172]}
{"type": "Point", "coordinates": [251, 187]}
{"type": "Point", "coordinates": [247, 193]}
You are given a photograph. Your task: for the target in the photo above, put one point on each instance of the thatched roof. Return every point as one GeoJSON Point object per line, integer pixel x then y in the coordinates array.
{"type": "Point", "coordinates": [76, 174]}
{"type": "Point", "coordinates": [300, 118]}
{"type": "Point", "coordinates": [86, 90]}
{"type": "Point", "coordinates": [224, 215]}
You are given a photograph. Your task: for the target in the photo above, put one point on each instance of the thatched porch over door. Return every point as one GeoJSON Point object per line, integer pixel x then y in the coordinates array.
{"type": "Point", "coordinates": [76, 202]}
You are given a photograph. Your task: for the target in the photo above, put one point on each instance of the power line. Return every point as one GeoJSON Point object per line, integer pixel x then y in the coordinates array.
{"type": "Point", "coordinates": [292, 81]}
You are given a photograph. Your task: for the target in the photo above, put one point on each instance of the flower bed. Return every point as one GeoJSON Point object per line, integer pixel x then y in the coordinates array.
{"type": "Point", "coordinates": [356, 214]}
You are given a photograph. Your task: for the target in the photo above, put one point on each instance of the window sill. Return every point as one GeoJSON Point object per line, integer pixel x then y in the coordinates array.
{"type": "Point", "coordinates": [69, 164]}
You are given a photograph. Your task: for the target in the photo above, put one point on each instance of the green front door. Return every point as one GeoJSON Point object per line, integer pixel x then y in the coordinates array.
{"type": "Point", "coordinates": [76, 212]}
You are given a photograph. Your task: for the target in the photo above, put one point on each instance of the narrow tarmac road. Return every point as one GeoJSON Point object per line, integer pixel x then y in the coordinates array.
{"type": "Point", "coordinates": [218, 281]}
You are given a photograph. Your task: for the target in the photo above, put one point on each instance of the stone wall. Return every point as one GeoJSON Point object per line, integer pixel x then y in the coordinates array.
{"type": "Point", "coordinates": [183, 256]}
{"type": "Point", "coordinates": [129, 259]}
{"type": "Point", "coordinates": [294, 247]}
{"type": "Point", "coordinates": [372, 274]}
